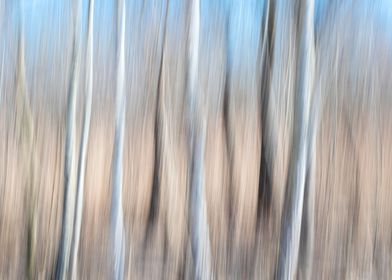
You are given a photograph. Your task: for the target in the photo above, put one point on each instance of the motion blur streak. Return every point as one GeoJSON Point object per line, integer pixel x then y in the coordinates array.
{"type": "Point", "coordinates": [195, 139]}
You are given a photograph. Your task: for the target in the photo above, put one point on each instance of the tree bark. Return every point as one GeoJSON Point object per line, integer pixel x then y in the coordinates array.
{"type": "Point", "coordinates": [62, 266]}
{"type": "Point", "coordinates": [198, 210]}
{"type": "Point", "coordinates": [84, 142]}
{"type": "Point", "coordinates": [293, 205]}
{"type": "Point", "coordinates": [116, 219]}
{"type": "Point", "coordinates": [307, 231]}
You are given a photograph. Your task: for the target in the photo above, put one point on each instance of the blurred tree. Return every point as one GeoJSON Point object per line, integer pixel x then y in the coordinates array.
{"type": "Point", "coordinates": [117, 237]}
{"type": "Point", "coordinates": [25, 118]}
{"type": "Point", "coordinates": [83, 142]}
{"type": "Point", "coordinates": [198, 207]}
{"type": "Point", "coordinates": [64, 254]}
{"type": "Point", "coordinates": [295, 186]}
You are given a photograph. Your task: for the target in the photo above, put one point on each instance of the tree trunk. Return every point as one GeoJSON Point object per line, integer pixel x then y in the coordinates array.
{"type": "Point", "coordinates": [198, 211]}
{"type": "Point", "coordinates": [116, 219]}
{"type": "Point", "coordinates": [293, 205]}
{"type": "Point", "coordinates": [67, 224]}
{"type": "Point", "coordinates": [84, 142]}
{"type": "Point", "coordinates": [307, 231]}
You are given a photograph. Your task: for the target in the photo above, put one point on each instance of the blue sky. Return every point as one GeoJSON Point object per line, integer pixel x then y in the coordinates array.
{"type": "Point", "coordinates": [47, 22]}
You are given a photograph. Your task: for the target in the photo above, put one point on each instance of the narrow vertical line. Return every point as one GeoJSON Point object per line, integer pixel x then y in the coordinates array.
{"type": "Point", "coordinates": [155, 192]}
{"type": "Point", "coordinates": [116, 219]}
{"type": "Point", "coordinates": [198, 208]}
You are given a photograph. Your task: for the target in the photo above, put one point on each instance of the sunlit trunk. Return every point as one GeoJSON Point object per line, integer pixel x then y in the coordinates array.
{"type": "Point", "coordinates": [63, 260]}
{"type": "Point", "coordinates": [198, 208]}
{"type": "Point", "coordinates": [308, 228]}
{"type": "Point", "coordinates": [293, 205]}
{"type": "Point", "coordinates": [84, 141]}
{"type": "Point", "coordinates": [116, 219]}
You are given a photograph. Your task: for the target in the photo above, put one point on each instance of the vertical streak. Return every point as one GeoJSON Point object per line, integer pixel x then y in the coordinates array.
{"type": "Point", "coordinates": [63, 259]}
{"type": "Point", "coordinates": [157, 134]}
{"type": "Point", "coordinates": [116, 219]}
{"type": "Point", "coordinates": [2, 90]}
{"type": "Point", "coordinates": [84, 142]}
{"type": "Point", "coordinates": [194, 47]}
{"type": "Point", "coordinates": [293, 205]}
{"type": "Point", "coordinates": [27, 146]}
{"type": "Point", "coordinates": [2, 38]}
{"type": "Point", "coordinates": [264, 194]}
{"type": "Point", "coordinates": [200, 233]}
{"type": "Point", "coordinates": [265, 32]}
{"type": "Point", "coordinates": [199, 224]}
{"type": "Point", "coordinates": [310, 185]}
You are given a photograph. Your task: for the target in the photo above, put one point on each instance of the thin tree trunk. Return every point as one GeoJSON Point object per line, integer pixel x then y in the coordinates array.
{"type": "Point", "coordinates": [84, 142]}
{"type": "Point", "coordinates": [293, 205]}
{"type": "Point", "coordinates": [199, 224]}
{"type": "Point", "coordinates": [307, 232]}
{"type": "Point", "coordinates": [63, 258]}
{"type": "Point", "coordinates": [200, 230]}
{"type": "Point", "coordinates": [116, 219]}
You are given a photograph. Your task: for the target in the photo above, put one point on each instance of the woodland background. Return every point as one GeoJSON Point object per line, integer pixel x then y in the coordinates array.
{"type": "Point", "coordinates": [209, 98]}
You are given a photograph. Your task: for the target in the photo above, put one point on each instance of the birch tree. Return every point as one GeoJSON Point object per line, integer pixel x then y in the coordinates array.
{"type": "Point", "coordinates": [199, 224]}
{"type": "Point", "coordinates": [307, 230]}
{"type": "Point", "coordinates": [84, 141]}
{"type": "Point", "coordinates": [62, 267]}
{"type": "Point", "coordinates": [116, 219]}
{"type": "Point", "coordinates": [293, 205]}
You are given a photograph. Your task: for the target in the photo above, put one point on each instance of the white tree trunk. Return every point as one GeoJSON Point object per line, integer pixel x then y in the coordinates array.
{"type": "Point", "coordinates": [293, 205]}
{"type": "Point", "coordinates": [116, 219]}
{"type": "Point", "coordinates": [306, 262]}
{"type": "Point", "coordinates": [63, 260]}
{"type": "Point", "coordinates": [199, 223]}
{"type": "Point", "coordinates": [84, 141]}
